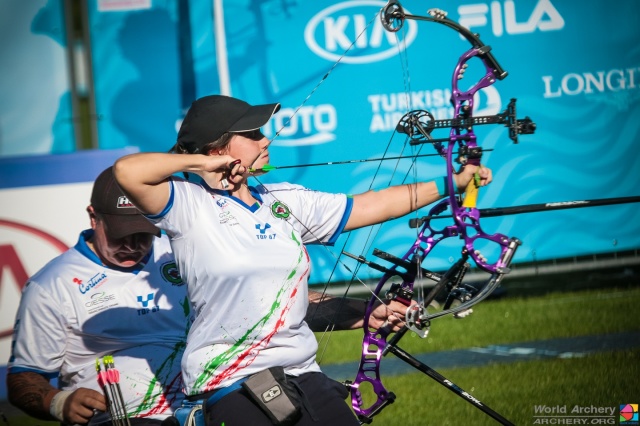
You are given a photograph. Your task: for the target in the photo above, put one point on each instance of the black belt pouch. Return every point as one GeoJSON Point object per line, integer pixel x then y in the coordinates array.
{"type": "Point", "coordinates": [278, 398]}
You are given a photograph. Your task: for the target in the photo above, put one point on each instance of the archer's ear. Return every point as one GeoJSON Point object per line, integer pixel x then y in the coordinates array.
{"type": "Point", "coordinates": [92, 216]}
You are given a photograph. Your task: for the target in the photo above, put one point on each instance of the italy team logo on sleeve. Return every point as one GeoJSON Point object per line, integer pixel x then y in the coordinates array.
{"type": "Point", "coordinates": [280, 210]}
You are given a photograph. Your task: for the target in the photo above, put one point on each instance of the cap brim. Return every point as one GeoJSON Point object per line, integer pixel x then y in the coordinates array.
{"type": "Point", "coordinates": [256, 117]}
{"type": "Point", "coordinates": [123, 225]}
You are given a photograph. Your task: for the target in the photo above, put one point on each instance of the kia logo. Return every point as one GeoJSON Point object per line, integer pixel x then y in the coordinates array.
{"type": "Point", "coordinates": [345, 26]}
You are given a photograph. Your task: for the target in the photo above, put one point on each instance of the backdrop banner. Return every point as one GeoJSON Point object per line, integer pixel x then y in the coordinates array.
{"type": "Point", "coordinates": [575, 70]}
{"type": "Point", "coordinates": [344, 82]}
{"type": "Point", "coordinates": [35, 113]}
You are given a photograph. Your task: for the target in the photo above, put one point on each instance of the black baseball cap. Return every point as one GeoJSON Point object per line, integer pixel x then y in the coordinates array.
{"type": "Point", "coordinates": [122, 217]}
{"type": "Point", "coordinates": [210, 117]}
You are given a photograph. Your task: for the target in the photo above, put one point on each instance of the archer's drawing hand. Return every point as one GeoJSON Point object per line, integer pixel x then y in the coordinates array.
{"type": "Point", "coordinates": [224, 169]}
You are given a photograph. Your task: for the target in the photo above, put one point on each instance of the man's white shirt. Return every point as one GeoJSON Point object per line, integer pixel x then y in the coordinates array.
{"type": "Point", "coordinates": [75, 310]}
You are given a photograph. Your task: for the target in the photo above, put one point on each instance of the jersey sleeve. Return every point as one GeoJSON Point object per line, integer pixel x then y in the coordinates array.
{"type": "Point", "coordinates": [321, 215]}
{"type": "Point", "coordinates": [180, 212]}
{"type": "Point", "coordinates": [39, 334]}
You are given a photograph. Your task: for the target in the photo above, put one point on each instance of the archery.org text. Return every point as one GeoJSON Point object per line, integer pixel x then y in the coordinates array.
{"type": "Point", "coordinates": [573, 415]}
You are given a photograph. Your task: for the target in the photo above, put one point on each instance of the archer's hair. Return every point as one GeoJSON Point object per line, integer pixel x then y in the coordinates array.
{"type": "Point", "coordinates": [221, 142]}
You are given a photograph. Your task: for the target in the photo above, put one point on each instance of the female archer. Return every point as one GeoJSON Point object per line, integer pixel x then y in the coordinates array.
{"type": "Point", "coordinates": [241, 250]}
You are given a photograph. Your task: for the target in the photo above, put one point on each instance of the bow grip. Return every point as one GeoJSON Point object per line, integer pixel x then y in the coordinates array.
{"type": "Point", "coordinates": [471, 192]}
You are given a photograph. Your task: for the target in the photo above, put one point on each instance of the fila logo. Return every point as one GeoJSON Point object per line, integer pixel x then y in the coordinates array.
{"type": "Point", "coordinates": [124, 203]}
{"type": "Point", "coordinates": [544, 17]}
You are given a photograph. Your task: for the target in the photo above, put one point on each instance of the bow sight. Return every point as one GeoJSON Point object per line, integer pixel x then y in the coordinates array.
{"type": "Point", "coordinates": [419, 124]}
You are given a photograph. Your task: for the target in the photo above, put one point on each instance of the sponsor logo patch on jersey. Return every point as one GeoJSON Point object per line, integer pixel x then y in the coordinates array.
{"type": "Point", "coordinates": [226, 218]}
{"type": "Point", "coordinates": [280, 210]}
{"type": "Point", "coordinates": [94, 282]}
{"type": "Point", "coordinates": [263, 235]}
{"type": "Point", "coordinates": [147, 304]}
{"type": "Point", "coordinates": [144, 300]}
{"type": "Point", "coordinates": [100, 301]}
{"type": "Point", "coordinates": [171, 273]}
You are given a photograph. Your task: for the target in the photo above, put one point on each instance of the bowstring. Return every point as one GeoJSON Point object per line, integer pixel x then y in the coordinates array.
{"type": "Point", "coordinates": [413, 169]}
{"type": "Point", "coordinates": [401, 45]}
{"type": "Point", "coordinates": [376, 229]}
{"type": "Point", "coordinates": [313, 91]}
{"type": "Point", "coordinates": [337, 258]}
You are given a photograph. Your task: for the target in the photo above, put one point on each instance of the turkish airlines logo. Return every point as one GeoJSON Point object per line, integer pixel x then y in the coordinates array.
{"type": "Point", "coordinates": [345, 26]}
{"type": "Point", "coordinates": [23, 251]}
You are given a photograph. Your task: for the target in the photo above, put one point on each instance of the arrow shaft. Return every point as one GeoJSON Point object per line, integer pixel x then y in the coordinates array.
{"type": "Point", "coordinates": [365, 160]}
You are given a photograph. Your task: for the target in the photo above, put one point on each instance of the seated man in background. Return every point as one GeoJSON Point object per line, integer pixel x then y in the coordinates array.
{"type": "Point", "coordinates": [116, 293]}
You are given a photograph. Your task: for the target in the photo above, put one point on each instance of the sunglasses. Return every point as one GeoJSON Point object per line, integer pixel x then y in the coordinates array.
{"type": "Point", "coordinates": [254, 135]}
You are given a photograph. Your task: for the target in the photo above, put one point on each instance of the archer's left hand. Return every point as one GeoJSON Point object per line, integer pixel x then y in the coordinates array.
{"type": "Point", "coordinates": [468, 172]}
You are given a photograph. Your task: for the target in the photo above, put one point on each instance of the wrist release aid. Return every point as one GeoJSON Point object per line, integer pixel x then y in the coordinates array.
{"type": "Point", "coordinates": [56, 407]}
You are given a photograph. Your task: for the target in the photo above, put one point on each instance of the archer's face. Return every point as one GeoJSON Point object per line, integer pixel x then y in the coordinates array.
{"type": "Point", "coordinates": [250, 148]}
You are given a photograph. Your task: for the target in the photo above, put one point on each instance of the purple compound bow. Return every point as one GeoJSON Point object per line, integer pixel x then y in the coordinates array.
{"type": "Point", "coordinates": [418, 125]}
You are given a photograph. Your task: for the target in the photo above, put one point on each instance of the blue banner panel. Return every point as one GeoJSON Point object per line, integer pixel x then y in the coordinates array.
{"type": "Point", "coordinates": [344, 82]}
{"type": "Point", "coordinates": [136, 72]}
{"type": "Point", "coordinates": [35, 113]}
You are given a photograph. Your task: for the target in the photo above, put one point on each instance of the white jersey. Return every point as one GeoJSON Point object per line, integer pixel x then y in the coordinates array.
{"type": "Point", "coordinates": [247, 268]}
{"type": "Point", "coordinates": [75, 310]}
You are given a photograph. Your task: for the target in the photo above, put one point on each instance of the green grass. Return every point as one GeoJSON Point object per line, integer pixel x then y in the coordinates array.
{"type": "Point", "coordinates": [508, 320]}
{"type": "Point", "coordinates": [606, 379]}
{"type": "Point", "coordinates": [22, 420]}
